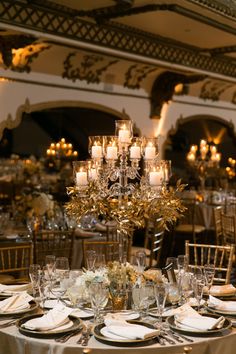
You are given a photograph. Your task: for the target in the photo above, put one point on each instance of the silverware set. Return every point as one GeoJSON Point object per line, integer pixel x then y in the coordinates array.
{"type": "Point", "coordinates": [85, 335]}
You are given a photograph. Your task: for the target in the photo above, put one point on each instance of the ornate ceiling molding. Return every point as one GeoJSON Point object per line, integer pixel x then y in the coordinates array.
{"type": "Point", "coordinates": [111, 35]}
{"type": "Point", "coordinates": [225, 8]}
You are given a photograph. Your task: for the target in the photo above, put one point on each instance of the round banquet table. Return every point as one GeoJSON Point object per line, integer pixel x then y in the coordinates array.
{"type": "Point", "coordinates": [13, 342]}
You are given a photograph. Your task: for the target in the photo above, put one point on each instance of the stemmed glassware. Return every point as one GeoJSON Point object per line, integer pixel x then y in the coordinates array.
{"type": "Point", "coordinates": [60, 278]}
{"type": "Point", "coordinates": [141, 261]}
{"type": "Point", "coordinates": [161, 292]}
{"type": "Point", "coordinates": [147, 297]}
{"type": "Point", "coordinates": [34, 274]}
{"type": "Point", "coordinates": [209, 273]}
{"type": "Point", "coordinates": [198, 286]}
{"type": "Point", "coordinates": [50, 265]}
{"type": "Point", "coordinates": [99, 295]}
{"type": "Point", "coordinates": [90, 256]}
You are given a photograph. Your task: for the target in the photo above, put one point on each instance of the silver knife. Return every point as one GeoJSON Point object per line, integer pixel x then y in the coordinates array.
{"type": "Point", "coordinates": [183, 337]}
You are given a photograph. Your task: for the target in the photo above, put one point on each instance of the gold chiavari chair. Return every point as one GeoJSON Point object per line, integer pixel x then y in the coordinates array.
{"type": "Point", "coordinates": [15, 262]}
{"type": "Point", "coordinates": [217, 212]}
{"type": "Point", "coordinates": [220, 256]}
{"type": "Point", "coordinates": [110, 249]}
{"type": "Point", "coordinates": [56, 242]}
{"type": "Point", "coordinates": [228, 229]}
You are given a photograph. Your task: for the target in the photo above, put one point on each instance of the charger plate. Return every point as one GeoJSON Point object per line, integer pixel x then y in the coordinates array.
{"type": "Point", "coordinates": [194, 332]}
{"type": "Point", "coordinates": [97, 332]}
{"type": "Point", "coordinates": [76, 323]}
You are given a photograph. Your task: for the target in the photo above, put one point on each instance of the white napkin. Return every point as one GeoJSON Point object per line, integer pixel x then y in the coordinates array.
{"type": "Point", "coordinates": [221, 305]}
{"type": "Point", "coordinates": [194, 321]}
{"type": "Point", "coordinates": [119, 327]}
{"type": "Point", "coordinates": [16, 302]}
{"type": "Point", "coordinates": [218, 290]}
{"type": "Point", "coordinates": [54, 318]}
{"type": "Point", "coordinates": [16, 288]}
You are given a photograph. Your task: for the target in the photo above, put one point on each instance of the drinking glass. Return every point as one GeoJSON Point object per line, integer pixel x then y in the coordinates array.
{"type": "Point", "coordinates": [209, 272]}
{"type": "Point", "coordinates": [59, 284]}
{"type": "Point", "coordinates": [147, 297]}
{"type": "Point", "coordinates": [198, 286]}
{"type": "Point", "coordinates": [99, 295]}
{"type": "Point", "coordinates": [141, 261]}
{"type": "Point", "coordinates": [90, 256]}
{"type": "Point", "coordinates": [34, 274]}
{"type": "Point", "coordinates": [182, 261]}
{"type": "Point", "coordinates": [50, 261]}
{"type": "Point", "coordinates": [186, 286]}
{"type": "Point", "coordinates": [174, 294]}
{"type": "Point", "coordinates": [161, 292]}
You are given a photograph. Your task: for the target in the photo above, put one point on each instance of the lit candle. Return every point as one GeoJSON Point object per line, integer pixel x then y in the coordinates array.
{"type": "Point", "coordinates": [75, 153]}
{"type": "Point", "coordinates": [124, 136]}
{"type": "Point", "coordinates": [213, 149]}
{"type": "Point", "coordinates": [155, 178]}
{"type": "Point", "coordinates": [191, 156]}
{"type": "Point", "coordinates": [112, 152]}
{"type": "Point", "coordinates": [48, 152]}
{"type": "Point", "coordinates": [150, 152]}
{"type": "Point", "coordinates": [93, 173]}
{"type": "Point", "coordinates": [203, 143]}
{"type": "Point", "coordinates": [96, 151]}
{"type": "Point", "coordinates": [81, 178]}
{"type": "Point", "coordinates": [135, 152]}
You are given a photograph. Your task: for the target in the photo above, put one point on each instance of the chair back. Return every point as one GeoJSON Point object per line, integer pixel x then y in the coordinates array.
{"type": "Point", "coordinates": [15, 260]}
{"type": "Point", "coordinates": [220, 256]}
{"type": "Point", "coordinates": [217, 211]}
{"type": "Point", "coordinates": [153, 240]}
{"type": "Point", "coordinates": [110, 249]}
{"type": "Point", "coordinates": [56, 242]}
{"type": "Point", "coordinates": [228, 229]}
{"type": "Point", "coordinates": [187, 223]}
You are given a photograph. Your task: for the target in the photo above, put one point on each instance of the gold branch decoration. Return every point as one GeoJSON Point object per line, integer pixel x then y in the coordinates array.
{"type": "Point", "coordinates": [128, 212]}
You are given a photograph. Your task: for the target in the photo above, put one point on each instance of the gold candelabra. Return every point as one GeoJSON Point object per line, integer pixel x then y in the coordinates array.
{"type": "Point", "coordinates": [113, 185]}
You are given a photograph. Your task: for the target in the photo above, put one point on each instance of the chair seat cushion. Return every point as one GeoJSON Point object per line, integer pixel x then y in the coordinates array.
{"type": "Point", "coordinates": [189, 228]}
{"type": "Point", "coordinates": [135, 249]}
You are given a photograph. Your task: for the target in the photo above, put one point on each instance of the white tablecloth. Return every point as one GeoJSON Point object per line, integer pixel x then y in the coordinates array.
{"type": "Point", "coordinates": [12, 342]}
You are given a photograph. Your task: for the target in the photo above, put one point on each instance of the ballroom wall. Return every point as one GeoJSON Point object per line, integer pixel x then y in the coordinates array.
{"type": "Point", "coordinates": [20, 92]}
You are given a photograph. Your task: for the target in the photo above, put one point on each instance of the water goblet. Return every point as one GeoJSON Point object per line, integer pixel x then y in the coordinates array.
{"type": "Point", "coordinates": [161, 291]}
{"type": "Point", "coordinates": [59, 284]}
{"type": "Point", "coordinates": [182, 262]}
{"type": "Point", "coordinates": [50, 264]}
{"type": "Point", "coordinates": [174, 294]}
{"type": "Point", "coordinates": [99, 295]}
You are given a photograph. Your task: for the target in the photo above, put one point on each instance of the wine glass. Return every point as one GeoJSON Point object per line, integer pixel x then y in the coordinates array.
{"type": "Point", "coordinates": [62, 265]}
{"type": "Point", "coordinates": [174, 294]}
{"type": "Point", "coordinates": [147, 297]}
{"type": "Point", "coordinates": [198, 286]}
{"type": "Point", "coordinates": [99, 295]}
{"type": "Point", "coordinates": [90, 256]}
{"type": "Point", "coordinates": [59, 284]}
{"type": "Point", "coordinates": [34, 274]}
{"type": "Point", "coordinates": [141, 261]}
{"type": "Point", "coordinates": [50, 264]}
{"type": "Point", "coordinates": [182, 261]}
{"type": "Point", "coordinates": [209, 272]}
{"type": "Point", "coordinates": [161, 292]}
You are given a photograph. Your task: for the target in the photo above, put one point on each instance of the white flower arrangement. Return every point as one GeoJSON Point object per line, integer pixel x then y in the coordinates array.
{"type": "Point", "coordinates": [42, 204]}
{"type": "Point", "coordinates": [89, 276]}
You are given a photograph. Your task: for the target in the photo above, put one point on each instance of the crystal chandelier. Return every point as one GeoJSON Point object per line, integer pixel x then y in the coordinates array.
{"type": "Point", "coordinates": [124, 181]}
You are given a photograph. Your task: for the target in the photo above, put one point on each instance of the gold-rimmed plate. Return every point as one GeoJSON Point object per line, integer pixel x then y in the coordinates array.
{"type": "Point", "coordinates": [99, 334]}
{"type": "Point", "coordinates": [195, 332]}
{"type": "Point", "coordinates": [32, 307]}
{"type": "Point", "coordinates": [75, 324]}
{"type": "Point", "coordinates": [221, 312]}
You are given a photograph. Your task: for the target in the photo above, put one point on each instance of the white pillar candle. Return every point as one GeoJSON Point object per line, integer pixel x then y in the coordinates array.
{"type": "Point", "coordinates": [155, 178]}
{"type": "Point", "coordinates": [81, 178]}
{"type": "Point", "coordinates": [96, 151]}
{"type": "Point", "coordinates": [112, 152]}
{"type": "Point", "coordinates": [135, 152]}
{"type": "Point", "coordinates": [124, 136]}
{"type": "Point", "coordinates": [93, 173]}
{"type": "Point", "coordinates": [150, 152]}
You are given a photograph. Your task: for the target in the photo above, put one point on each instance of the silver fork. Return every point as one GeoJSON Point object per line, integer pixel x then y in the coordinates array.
{"type": "Point", "coordinates": [83, 333]}
{"type": "Point", "coordinates": [87, 335]}
{"type": "Point", "coordinates": [64, 338]}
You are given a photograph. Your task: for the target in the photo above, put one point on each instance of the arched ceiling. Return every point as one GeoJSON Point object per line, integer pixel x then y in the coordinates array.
{"type": "Point", "coordinates": [124, 42]}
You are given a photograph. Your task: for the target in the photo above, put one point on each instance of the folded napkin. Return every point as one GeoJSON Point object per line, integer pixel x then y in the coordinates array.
{"type": "Point", "coordinates": [115, 325]}
{"type": "Point", "coordinates": [221, 305]}
{"type": "Point", "coordinates": [221, 290]}
{"type": "Point", "coordinates": [56, 317]}
{"type": "Point", "coordinates": [16, 302]}
{"type": "Point", "coordinates": [16, 288]}
{"type": "Point", "coordinates": [192, 320]}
